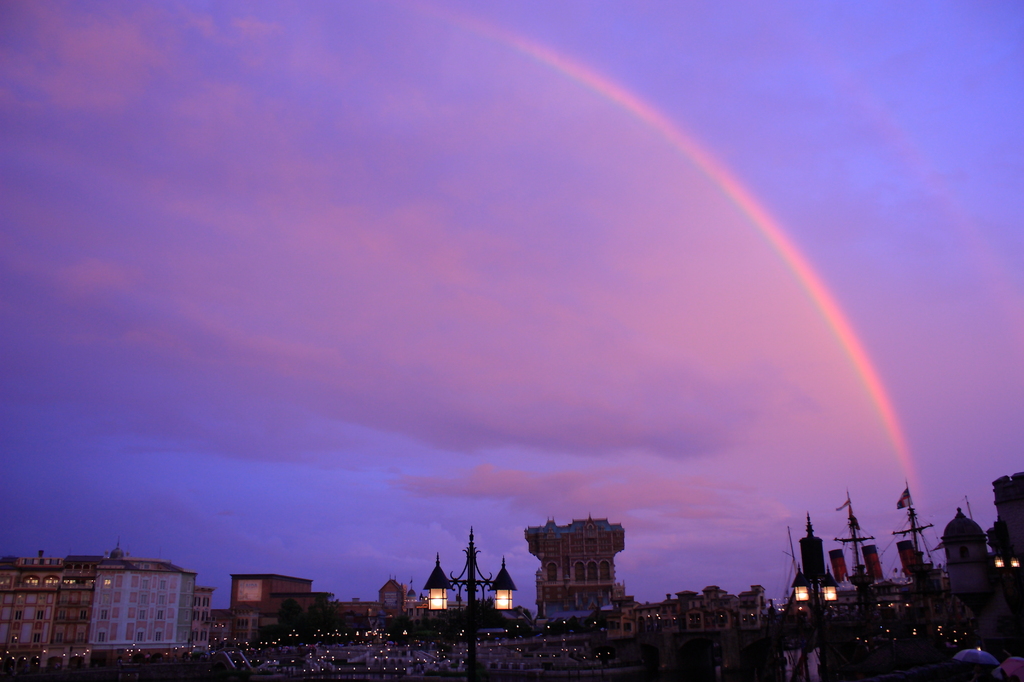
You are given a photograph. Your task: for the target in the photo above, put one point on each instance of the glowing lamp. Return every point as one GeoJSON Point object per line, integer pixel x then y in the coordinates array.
{"type": "Point", "coordinates": [503, 587]}
{"type": "Point", "coordinates": [829, 588]}
{"type": "Point", "coordinates": [999, 562]}
{"type": "Point", "coordinates": [801, 588]}
{"type": "Point", "coordinates": [1014, 562]}
{"type": "Point", "coordinates": [437, 588]}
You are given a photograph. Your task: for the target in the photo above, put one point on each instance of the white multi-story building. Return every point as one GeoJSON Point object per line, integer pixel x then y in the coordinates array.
{"type": "Point", "coordinates": [201, 621]}
{"type": "Point", "coordinates": [141, 607]}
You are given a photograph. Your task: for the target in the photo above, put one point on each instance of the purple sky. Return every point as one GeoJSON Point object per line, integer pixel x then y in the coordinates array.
{"type": "Point", "coordinates": [312, 288]}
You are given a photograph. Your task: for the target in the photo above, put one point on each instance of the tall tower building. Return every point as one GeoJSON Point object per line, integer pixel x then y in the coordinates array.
{"type": "Point", "coordinates": [577, 566]}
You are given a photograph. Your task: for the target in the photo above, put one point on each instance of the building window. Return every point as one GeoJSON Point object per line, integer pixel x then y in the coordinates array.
{"type": "Point", "coordinates": [32, 580]}
{"type": "Point", "coordinates": [101, 636]}
{"type": "Point", "coordinates": [14, 639]}
{"type": "Point", "coordinates": [606, 571]}
{"type": "Point", "coordinates": [552, 571]}
{"type": "Point", "coordinates": [145, 584]}
{"type": "Point", "coordinates": [80, 636]}
{"type": "Point", "coordinates": [83, 614]}
{"type": "Point", "coordinates": [160, 615]}
{"type": "Point", "coordinates": [35, 637]}
{"type": "Point", "coordinates": [163, 584]}
{"type": "Point", "coordinates": [140, 636]}
{"type": "Point", "coordinates": [103, 614]}
{"type": "Point", "coordinates": [50, 581]}
{"type": "Point", "coordinates": [578, 572]}
{"type": "Point", "coordinates": [161, 599]}
{"type": "Point", "coordinates": [158, 636]}
{"type": "Point", "coordinates": [144, 597]}
{"type": "Point", "coordinates": [964, 553]}
{"type": "Point", "coordinates": [106, 582]}
{"type": "Point", "coordinates": [142, 614]}
{"type": "Point", "coordinates": [17, 615]}
{"type": "Point", "coordinates": [592, 571]}
{"type": "Point", "coordinates": [58, 637]}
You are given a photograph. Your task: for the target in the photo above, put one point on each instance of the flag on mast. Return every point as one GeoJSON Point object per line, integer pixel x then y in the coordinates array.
{"type": "Point", "coordinates": [844, 505]}
{"type": "Point", "coordinates": [904, 500]}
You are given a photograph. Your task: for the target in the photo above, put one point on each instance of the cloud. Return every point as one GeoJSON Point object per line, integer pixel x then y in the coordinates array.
{"type": "Point", "coordinates": [621, 493]}
{"type": "Point", "coordinates": [78, 59]}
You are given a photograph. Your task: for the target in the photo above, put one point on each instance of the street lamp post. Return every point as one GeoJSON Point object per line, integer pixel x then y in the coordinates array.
{"type": "Point", "coordinates": [816, 586]}
{"type": "Point", "coordinates": [471, 579]}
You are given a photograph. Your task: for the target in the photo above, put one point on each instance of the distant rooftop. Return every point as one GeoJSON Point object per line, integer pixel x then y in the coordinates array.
{"type": "Point", "coordinates": [576, 526]}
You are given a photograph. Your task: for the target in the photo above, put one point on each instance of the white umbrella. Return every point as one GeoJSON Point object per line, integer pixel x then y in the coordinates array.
{"type": "Point", "coordinates": [976, 656]}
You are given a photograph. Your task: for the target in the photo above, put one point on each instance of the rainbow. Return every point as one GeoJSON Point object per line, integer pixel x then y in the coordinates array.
{"type": "Point", "coordinates": [744, 201]}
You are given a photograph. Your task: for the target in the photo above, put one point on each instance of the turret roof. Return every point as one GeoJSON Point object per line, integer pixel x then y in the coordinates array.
{"type": "Point", "coordinates": [962, 527]}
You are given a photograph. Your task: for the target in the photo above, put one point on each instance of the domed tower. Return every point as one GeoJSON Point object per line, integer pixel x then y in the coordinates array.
{"type": "Point", "coordinates": [967, 561]}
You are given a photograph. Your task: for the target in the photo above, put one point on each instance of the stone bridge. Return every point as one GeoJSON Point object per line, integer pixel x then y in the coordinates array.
{"type": "Point", "coordinates": [692, 655]}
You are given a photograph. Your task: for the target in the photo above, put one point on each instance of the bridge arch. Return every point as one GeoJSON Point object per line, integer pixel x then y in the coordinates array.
{"type": "Point", "coordinates": [695, 660]}
{"type": "Point", "coordinates": [651, 658]}
{"type": "Point", "coordinates": [754, 659]}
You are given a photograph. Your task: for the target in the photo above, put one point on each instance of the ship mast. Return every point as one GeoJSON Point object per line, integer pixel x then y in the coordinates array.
{"type": "Point", "coordinates": [915, 530]}
{"type": "Point", "coordinates": [855, 537]}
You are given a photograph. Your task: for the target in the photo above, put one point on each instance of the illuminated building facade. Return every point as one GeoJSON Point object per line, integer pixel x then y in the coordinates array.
{"type": "Point", "coordinates": [74, 611]}
{"type": "Point", "coordinates": [142, 608]}
{"type": "Point", "coordinates": [577, 566]}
